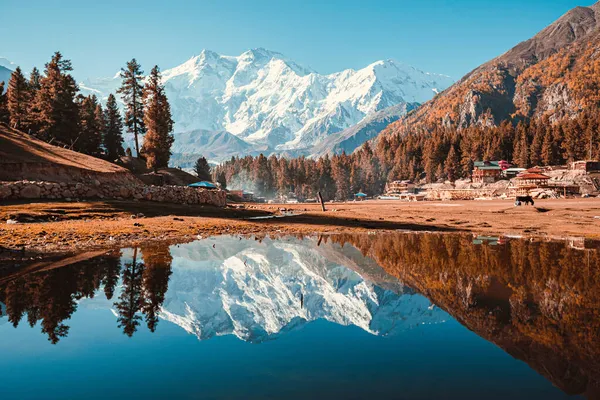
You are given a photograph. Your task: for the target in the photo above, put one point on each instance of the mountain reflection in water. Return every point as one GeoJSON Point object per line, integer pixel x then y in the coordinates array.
{"type": "Point", "coordinates": [538, 301]}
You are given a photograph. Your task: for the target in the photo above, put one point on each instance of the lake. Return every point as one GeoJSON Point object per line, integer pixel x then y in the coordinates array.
{"type": "Point", "coordinates": [390, 316]}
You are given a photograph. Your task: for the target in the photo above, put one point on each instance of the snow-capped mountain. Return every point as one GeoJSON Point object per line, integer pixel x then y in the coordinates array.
{"type": "Point", "coordinates": [252, 290]}
{"type": "Point", "coordinates": [276, 105]}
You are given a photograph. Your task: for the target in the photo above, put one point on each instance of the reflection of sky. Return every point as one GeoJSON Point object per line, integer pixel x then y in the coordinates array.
{"type": "Point", "coordinates": [321, 360]}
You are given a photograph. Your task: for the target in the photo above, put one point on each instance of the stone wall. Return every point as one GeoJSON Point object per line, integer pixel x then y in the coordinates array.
{"type": "Point", "coordinates": [76, 191]}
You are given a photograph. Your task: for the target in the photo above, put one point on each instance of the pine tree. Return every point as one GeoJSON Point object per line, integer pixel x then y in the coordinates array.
{"type": "Point", "coordinates": [202, 169]}
{"type": "Point", "coordinates": [222, 180]}
{"type": "Point", "coordinates": [90, 131]}
{"type": "Point", "coordinates": [101, 126]}
{"type": "Point", "coordinates": [56, 113]}
{"type": "Point", "coordinates": [521, 148]}
{"type": "Point", "coordinates": [35, 79]}
{"type": "Point", "coordinates": [4, 114]}
{"type": "Point", "coordinates": [535, 152]}
{"type": "Point", "coordinates": [157, 119]}
{"type": "Point", "coordinates": [340, 171]}
{"type": "Point", "coordinates": [33, 86]}
{"type": "Point", "coordinates": [131, 91]}
{"type": "Point", "coordinates": [451, 165]}
{"type": "Point", "coordinates": [17, 99]}
{"type": "Point", "coordinates": [548, 153]}
{"type": "Point", "coordinates": [113, 132]}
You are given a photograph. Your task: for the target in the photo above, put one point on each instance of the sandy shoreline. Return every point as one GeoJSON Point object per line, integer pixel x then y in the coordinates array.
{"type": "Point", "coordinates": [67, 227]}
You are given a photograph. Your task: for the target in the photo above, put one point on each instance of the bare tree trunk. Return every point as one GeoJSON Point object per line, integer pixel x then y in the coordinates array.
{"type": "Point", "coordinates": [321, 201]}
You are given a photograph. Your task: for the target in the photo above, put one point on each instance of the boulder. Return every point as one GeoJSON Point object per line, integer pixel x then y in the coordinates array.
{"type": "Point", "coordinates": [5, 192]}
{"type": "Point", "coordinates": [31, 192]}
{"type": "Point", "coordinates": [124, 192]}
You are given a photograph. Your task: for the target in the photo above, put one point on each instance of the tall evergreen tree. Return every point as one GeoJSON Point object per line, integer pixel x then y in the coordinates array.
{"type": "Point", "coordinates": [521, 148]}
{"type": "Point", "coordinates": [222, 180]}
{"type": "Point", "coordinates": [17, 99]}
{"type": "Point", "coordinates": [113, 132]}
{"type": "Point", "coordinates": [90, 133]}
{"type": "Point", "coordinates": [56, 113]}
{"type": "Point", "coordinates": [158, 121]}
{"type": "Point", "coordinates": [33, 86]}
{"type": "Point", "coordinates": [202, 169]}
{"type": "Point", "coordinates": [451, 165]}
{"type": "Point", "coordinates": [131, 91]}
{"type": "Point", "coordinates": [35, 79]}
{"type": "Point", "coordinates": [4, 114]}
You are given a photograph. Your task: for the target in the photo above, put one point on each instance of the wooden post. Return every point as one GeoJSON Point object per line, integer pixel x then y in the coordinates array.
{"type": "Point", "coordinates": [321, 201]}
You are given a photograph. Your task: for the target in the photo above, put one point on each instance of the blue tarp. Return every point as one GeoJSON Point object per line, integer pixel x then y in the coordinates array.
{"type": "Point", "coordinates": [360, 194]}
{"type": "Point", "coordinates": [203, 184]}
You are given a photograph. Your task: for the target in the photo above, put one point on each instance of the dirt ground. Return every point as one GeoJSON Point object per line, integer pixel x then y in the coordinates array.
{"type": "Point", "coordinates": [51, 227]}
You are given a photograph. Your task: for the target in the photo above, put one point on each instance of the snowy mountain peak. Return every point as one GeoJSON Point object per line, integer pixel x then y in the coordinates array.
{"type": "Point", "coordinates": [276, 105]}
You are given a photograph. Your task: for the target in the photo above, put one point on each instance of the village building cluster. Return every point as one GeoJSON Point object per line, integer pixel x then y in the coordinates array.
{"type": "Point", "coordinates": [489, 179]}
{"type": "Point", "coordinates": [500, 179]}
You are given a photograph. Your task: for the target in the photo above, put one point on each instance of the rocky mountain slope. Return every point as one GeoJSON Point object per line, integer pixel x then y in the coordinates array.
{"type": "Point", "coordinates": [552, 75]}
{"type": "Point", "coordinates": [351, 138]}
{"type": "Point", "coordinates": [275, 105]}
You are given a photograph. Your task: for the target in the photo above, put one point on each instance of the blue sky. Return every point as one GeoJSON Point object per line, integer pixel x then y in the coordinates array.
{"type": "Point", "coordinates": [443, 36]}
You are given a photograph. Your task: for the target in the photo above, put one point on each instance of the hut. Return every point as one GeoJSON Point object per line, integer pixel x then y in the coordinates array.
{"type": "Point", "coordinates": [203, 185]}
{"type": "Point", "coordinates": [360, 196]}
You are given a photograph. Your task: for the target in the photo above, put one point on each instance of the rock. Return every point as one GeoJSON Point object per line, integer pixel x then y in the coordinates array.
{"type": "Point", "coordinates": [66, 193]}
{"type": "Point", "coordinates": [31, 192]}
{"type": "Point", "coordinates": [124, 192]}
{"type": "Point", "coordinates": [5, 192]}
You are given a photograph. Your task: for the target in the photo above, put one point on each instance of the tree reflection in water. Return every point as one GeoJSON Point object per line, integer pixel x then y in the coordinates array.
{"type": "Point", "coordinates": [537, 300]}
{"type": "Point", "coordinates": [50, 296]}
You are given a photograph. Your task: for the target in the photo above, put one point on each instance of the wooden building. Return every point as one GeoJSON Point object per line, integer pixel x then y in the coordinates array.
{"type": "Point", "coordinates": [587, 166]}
{"type": "Point", "coordinates": [528, 181]}
{"type": "Point", "coordinates": [399, 187]}
{"type": "Point", "coordinates": [488, 171]}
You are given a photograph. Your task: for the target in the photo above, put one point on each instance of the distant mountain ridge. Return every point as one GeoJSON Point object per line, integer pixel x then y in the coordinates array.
{"type": "Point", "coordinates": [552, 75]}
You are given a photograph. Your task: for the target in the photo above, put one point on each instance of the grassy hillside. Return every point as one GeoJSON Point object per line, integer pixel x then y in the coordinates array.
{"type": "Point", "coordinates": [24, 157]}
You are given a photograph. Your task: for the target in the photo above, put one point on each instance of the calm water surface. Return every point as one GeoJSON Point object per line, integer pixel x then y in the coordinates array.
{"type": "Point", "coordinates": [393, 316]}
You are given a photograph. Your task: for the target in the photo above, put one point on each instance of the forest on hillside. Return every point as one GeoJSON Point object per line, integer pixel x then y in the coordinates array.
{"type": "Point", "coordinates": [431, 155]}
